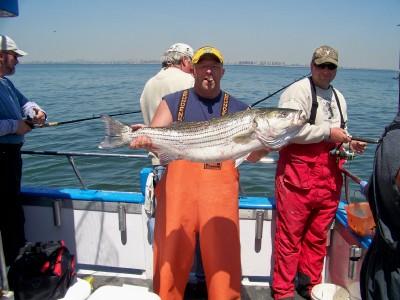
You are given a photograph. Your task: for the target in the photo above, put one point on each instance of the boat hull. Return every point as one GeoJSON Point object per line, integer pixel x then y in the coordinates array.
{"type": "Point", "coordinates": [109, 232]}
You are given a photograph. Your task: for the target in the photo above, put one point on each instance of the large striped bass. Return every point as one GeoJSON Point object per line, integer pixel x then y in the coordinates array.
{"type": "Point", "coordinates": [232, 136]}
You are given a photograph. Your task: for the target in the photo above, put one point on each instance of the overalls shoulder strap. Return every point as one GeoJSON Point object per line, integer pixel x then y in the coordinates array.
{"type": "Point", "coordinates": [225, 103]}
{"type": "Point", "coordinates": [314, 106]}
{"type": "Point", "coordinates": [182, 106]}
{"type": "Point", "coordinates": [342, 123]}
{"type": "Point", "coordinates": [183, 102]}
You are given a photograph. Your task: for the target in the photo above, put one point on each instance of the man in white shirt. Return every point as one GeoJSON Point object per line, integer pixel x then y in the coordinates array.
{"type": "Point", "coordinates": [175, 75]}
{"type": "Point", "coordinates": [308, 179]}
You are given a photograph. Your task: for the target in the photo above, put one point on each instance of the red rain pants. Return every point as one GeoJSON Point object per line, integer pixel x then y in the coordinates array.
{"type": "Point", "coordinates": [193, 198]}
{"type": "Point", "coordinates": [307, 191]}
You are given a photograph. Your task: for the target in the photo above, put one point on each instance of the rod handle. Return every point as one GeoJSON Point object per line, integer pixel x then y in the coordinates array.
{"type": "Point", "coordinates": [364, 139]}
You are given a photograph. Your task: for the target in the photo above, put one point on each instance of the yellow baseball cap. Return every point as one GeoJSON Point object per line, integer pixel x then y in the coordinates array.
{"type": "Point", "coordinates": [207, 50]}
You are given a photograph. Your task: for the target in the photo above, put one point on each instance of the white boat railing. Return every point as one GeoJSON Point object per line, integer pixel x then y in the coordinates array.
{"type": "Point", "coordinates": [71, 154]}
{"type": "Point", "coordinates": [70, 157]}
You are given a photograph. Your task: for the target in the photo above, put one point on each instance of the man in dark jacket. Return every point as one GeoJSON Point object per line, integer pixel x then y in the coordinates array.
{"type": "Point", "coordinates": [380, 274]}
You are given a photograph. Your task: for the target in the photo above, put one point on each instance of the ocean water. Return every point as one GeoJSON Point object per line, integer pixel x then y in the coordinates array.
{"type": "Point", "coordinates": [70, 92]}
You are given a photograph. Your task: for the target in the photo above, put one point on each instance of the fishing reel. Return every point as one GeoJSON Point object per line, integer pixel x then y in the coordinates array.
{"type": "Point", "coordinates": [29, 121]}
{"type": "Point", "coordinates": [342, 154]}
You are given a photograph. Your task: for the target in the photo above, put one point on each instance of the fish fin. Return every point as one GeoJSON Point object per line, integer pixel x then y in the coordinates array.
{"type": "Point", "coordinates": [241, 159]}
{"type": "Point", "coordinates": [115, 132]}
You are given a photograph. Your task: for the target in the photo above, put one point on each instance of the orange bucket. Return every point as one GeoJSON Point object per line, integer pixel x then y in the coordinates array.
{"type": "Point", "coordinates": [360, 218]}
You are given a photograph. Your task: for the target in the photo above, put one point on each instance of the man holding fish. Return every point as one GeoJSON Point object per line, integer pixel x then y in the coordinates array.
{"type": "Point", "coordinates": [183, 209]}
{"type": "Point", "coordinates": [202, 134]}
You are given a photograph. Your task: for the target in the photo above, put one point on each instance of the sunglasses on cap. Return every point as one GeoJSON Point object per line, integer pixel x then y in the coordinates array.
{"type": "Point", "coordinates": [327, 65]}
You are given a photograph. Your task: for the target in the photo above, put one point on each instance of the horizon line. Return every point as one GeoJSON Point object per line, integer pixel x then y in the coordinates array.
{"type": "Point", "coordinates": [154, 62]}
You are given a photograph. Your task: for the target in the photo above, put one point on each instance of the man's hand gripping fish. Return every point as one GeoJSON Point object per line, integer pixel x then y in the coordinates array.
{"type": "Point", "coordinates": [231, 137]}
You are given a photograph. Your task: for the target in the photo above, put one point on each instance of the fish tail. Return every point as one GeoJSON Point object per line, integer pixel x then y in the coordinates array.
{"type": "Point", "coordinates": [115, 133]}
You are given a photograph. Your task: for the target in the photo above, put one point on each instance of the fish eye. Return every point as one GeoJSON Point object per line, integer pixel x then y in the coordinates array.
{"type": "Point", "coordinates": [283, 114]}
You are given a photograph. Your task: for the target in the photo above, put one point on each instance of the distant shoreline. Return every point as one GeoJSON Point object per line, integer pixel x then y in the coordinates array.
{"type": "Point", "coordinates": [155, 62]}
{"type": "Point", "coordinates": [255, 64]}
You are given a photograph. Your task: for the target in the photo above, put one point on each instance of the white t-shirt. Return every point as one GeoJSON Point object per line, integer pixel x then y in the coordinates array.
{"type": "Point", "coordinates": [165, 82]}
{"type": "Point", "coordinates": [298, 96]}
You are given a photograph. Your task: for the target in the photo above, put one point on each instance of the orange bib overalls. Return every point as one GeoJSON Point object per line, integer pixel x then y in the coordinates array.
{"type": "Point", "coordinates": [192, 199]}
{"type": "Point", "coordinates": [197, 198]}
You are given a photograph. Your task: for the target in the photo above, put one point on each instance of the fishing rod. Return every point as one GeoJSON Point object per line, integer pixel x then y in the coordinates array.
{"type": "Point", "coordinates": [281, 89]}
{"type": "Point", "coordinates": [355, 178]}
{"type": "Point", "coordinates": [94, 154]}
{"type": "Point", "coordinates": [356, 138]}
{"type": "Point", "coordinates": [364, 139]}
{"type": "Point", "coordinates": [52, 124]}
{"type": "Point", "coordinates": [347, 154]}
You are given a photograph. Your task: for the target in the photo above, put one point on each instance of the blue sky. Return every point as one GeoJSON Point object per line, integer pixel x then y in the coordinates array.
{"type": "Point", "coordinates": [364, 31]}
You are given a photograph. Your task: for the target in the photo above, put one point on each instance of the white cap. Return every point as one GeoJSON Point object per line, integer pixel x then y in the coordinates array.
{"type": "Point", "coordinates": [181, 48]}
{"type": "Point", "coordinates": [7, 44]}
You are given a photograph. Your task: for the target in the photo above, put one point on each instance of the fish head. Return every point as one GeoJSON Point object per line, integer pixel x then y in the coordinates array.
{"type": "Point", "coordinates": [277, 126]}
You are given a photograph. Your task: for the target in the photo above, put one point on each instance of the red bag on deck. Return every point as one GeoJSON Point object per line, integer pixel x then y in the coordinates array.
{"type": "Point", "coordinates": [43, 270]}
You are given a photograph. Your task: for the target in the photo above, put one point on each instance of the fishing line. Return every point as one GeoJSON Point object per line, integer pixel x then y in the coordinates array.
{"type": "Point", "coordinates": [276, 92]}
{"type": "Point", "coordinates": [52, 124]}
{"type": "Point", "coordinates": [357, 138]}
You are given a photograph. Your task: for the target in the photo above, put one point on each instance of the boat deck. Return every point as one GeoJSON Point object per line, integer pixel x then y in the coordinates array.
{"type": "Point", "coordinates": [194, 291]}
